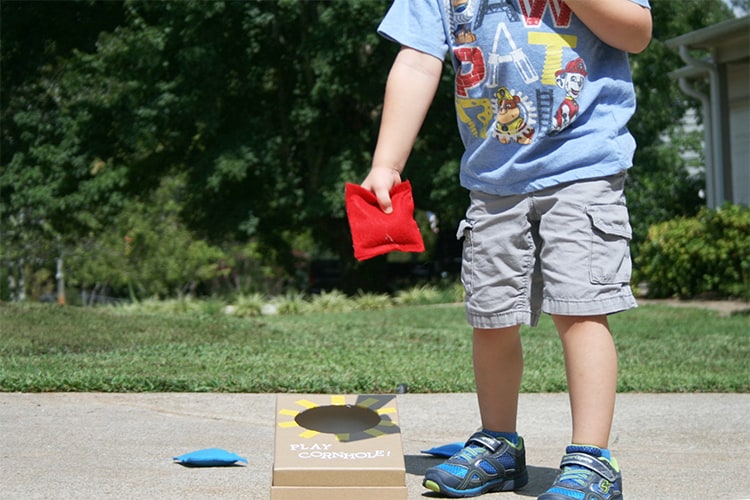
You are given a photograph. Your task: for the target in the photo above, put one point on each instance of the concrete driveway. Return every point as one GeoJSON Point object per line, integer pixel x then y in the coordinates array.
{"type": "Point", "coordinates": [90, 445]}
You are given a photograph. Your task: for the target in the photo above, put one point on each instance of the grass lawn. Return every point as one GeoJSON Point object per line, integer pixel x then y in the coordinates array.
{"type": "Point", "coordinates": [50, 348]}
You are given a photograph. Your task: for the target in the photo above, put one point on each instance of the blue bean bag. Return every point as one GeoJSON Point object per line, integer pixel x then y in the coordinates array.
{"type": "Point", "coordinates": [209, 457]}
{"type": "Point", "coordinates": [446, 450]}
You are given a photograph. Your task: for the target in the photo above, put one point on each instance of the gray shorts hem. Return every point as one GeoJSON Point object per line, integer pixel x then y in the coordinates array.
{"type": "Point", "coordinates": [501, 320]}
{"type": "Point", "coordinates": [609, 305]}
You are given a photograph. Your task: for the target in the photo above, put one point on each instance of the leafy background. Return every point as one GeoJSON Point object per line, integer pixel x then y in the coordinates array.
{"type": "Point", "coordinates": [172, 148]}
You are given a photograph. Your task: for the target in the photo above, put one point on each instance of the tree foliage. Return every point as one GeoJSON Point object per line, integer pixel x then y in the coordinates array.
{"type": "Point", "coordinates": [267, 107]}
{"type": "Point", "coordinates": [661, 186]}
{"type": "Point", "coordinates": [147, 251]}
{"type": "Point", "coordinates": [262, 109]}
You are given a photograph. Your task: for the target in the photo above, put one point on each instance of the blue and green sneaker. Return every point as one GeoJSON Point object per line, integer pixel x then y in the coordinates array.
{"type": "Point", "coordinates": [586, 473]}
{"type": "Point", "coordinates": [484, 464]}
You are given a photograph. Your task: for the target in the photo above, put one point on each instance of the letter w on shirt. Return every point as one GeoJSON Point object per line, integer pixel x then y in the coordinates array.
{"type": "Point", "coordinates": [533, 11]}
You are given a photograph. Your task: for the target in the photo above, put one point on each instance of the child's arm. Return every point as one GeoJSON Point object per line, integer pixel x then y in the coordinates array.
{"type": "Point", "coordinates": [412, 83]}
{"type": "Point", "coordinates": [622, 24]}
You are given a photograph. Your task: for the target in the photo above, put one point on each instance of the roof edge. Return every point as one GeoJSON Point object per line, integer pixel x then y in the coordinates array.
{"type": "Point", "coordinates": [739, 25]}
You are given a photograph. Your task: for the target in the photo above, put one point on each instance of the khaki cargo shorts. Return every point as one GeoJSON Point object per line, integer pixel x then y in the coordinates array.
{"type": "Point", "coordinates": [562, 250]}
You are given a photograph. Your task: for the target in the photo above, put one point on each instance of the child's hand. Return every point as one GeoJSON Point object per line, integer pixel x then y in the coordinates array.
{"type": "Point", "coordinates": [380, 181]}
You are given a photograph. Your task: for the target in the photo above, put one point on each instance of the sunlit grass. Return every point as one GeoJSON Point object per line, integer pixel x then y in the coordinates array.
{"type": "Point", "coordinates": [356, 346]}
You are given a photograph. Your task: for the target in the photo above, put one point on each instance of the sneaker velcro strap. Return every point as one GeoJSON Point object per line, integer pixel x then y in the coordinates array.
{"type": "Point", "coordinates": [486, 441]}
{"type": "Point", "coordinates": [592, 463]}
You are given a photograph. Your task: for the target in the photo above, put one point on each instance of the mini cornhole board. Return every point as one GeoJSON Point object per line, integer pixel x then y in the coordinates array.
{"type": "Point", "coordinates": [338, 447]}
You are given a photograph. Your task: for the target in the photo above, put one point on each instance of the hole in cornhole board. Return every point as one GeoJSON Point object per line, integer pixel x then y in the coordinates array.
{"type": "Point", "coordinates": [337, 419]}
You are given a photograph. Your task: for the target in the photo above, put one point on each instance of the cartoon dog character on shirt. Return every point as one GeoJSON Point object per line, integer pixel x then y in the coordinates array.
{"type": "Point", "coordinates": [463, 16]}
{"type": "Point", "coordinates": [514, 118]}
{"type": "Point", "coordinates": [571, 80]}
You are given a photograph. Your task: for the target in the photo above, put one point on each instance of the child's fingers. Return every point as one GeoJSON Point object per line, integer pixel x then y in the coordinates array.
{"type": "Point", "coordinates": [380, 181]}
{"type": "Point", "coordinates": [384, 200]}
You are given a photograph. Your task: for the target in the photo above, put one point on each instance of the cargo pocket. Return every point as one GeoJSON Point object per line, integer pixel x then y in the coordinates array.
{"type": "Point", "coordinates": [464, 232]}
{"type": "Point", "coordinates": [610, 244]}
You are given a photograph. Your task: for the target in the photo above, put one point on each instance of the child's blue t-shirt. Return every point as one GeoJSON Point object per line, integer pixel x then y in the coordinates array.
{"type": "Point", "coordinates": [540, 100]}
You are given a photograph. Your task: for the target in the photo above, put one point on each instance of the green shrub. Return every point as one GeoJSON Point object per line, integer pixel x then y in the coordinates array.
{"type": "Point", "coordinates": [333, 301]}
{"type": "Point", "coordinates": [247, 306]}
{"type": "Point", "coordinates": [291, 303]}
{"type": "Point", "coordinates": [372, 301]}
{"type": "Point", "coordinates": [421, 295]}
{"type": "Point", "coordinates": [707, 255]}
{"type": "Point", "coordinates": [154, 305]}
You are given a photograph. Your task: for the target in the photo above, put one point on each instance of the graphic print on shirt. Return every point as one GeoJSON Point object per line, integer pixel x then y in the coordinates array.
{"type": "Point", "coordinates": [571, 80]}
{"type": "Point", "coordinates": [527, 83]}
{"type": "Point", "coordinates": [463, 15]}
{"type": "Point", "coordinates": [515, 117]}
{"type": "Point", "coordinates": [533, 12]}
{"type": "Point", "coordinates": [514, 56]}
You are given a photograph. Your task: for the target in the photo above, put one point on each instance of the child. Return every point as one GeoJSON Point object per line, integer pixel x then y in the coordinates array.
{"type": "Point", "coordinates": [543, 93]}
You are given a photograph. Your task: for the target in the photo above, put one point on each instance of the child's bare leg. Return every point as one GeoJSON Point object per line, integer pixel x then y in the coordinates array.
{"type": "Point", "coordinates": [591, 369]}
{"type": "Point", "coordinates": [494, 459]}
{"type": "Point", "coordinates": [498, 368]}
